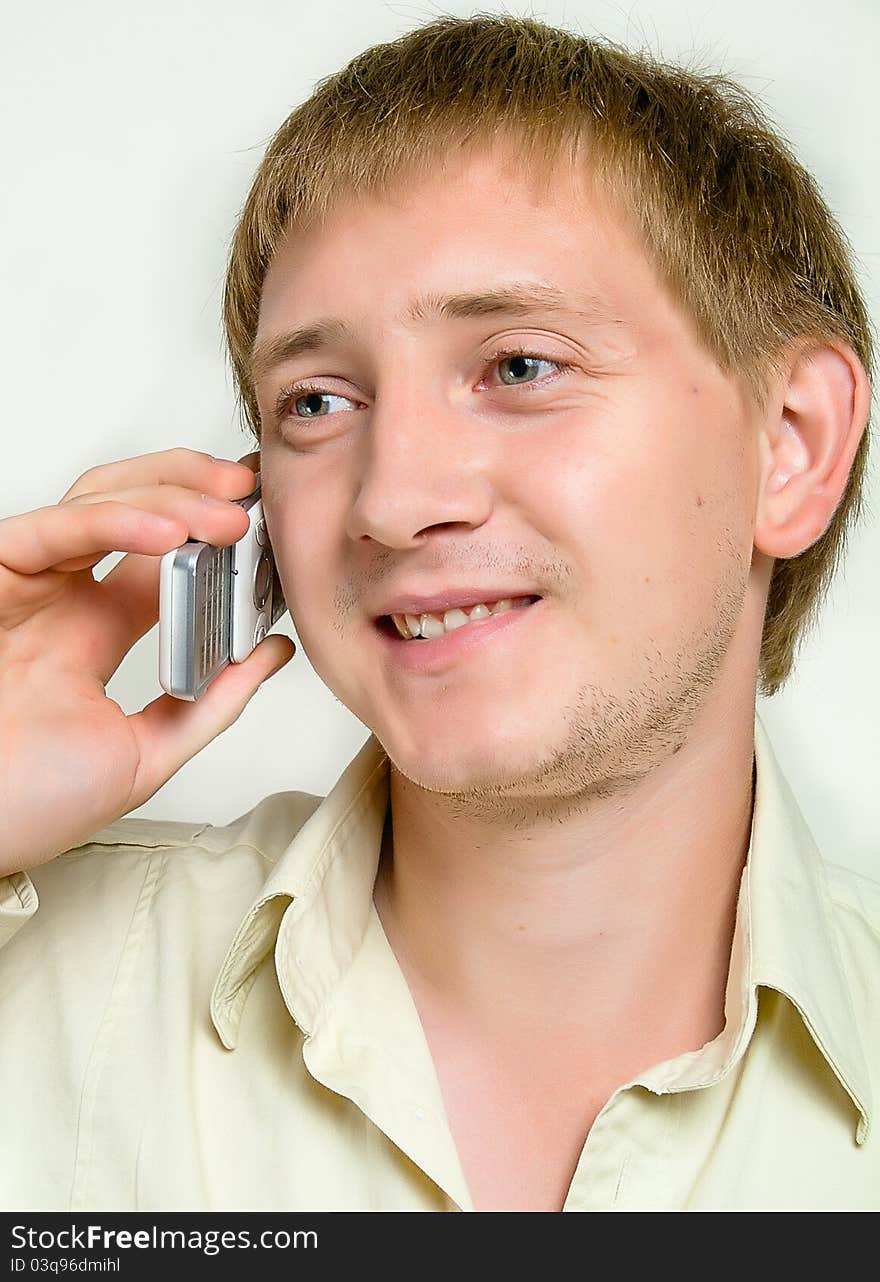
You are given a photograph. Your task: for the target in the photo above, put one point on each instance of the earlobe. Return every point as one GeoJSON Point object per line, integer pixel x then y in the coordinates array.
{"type": "Point", "coordinates": [808, 451]}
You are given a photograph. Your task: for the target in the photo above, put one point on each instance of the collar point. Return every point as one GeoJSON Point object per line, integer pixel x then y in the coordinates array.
{"type": "Point", "coordinates": [225, 1023]}
{"type": "Point", "coordinates": [863, 1128]}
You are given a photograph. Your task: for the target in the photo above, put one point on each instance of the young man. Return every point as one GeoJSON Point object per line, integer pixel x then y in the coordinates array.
{"type": "Point", "coordinates": [560, 379]}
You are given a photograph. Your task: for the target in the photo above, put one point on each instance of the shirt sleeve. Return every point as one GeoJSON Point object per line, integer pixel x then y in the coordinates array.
{"type": "Point", "coordinates": [18, 903]}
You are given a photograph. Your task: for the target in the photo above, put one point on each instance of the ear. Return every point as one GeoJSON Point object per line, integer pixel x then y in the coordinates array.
{"type": "Point", "coordinates": [807, 445]}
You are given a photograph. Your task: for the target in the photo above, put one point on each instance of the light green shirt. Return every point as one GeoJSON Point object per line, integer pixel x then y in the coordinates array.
{"type": "Point", "coordinates": [201, 1017]}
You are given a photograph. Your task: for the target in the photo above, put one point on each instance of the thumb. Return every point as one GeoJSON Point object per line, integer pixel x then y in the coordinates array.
{"type": "Point", "coordinates": [170, 732]}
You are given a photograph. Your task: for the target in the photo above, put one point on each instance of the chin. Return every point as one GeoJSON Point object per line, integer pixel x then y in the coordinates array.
{"type": "Point", "coordinates": [459, 761]}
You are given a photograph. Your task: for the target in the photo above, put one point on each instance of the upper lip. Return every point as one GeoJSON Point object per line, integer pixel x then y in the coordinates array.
{"type": "Point", "coordinates": [449, 599]}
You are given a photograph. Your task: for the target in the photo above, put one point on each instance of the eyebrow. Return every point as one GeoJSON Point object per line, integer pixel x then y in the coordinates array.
{"type": "Point", "coordinates": [514, 300]}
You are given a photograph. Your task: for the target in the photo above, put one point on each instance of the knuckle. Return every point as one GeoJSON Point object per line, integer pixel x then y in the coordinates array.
{"type": "Point", "coordinates": [184, 454]}
{"type": "Point", "coordinates": [81, 497]}
{"type": "Point", "coordinates": [82, 484]}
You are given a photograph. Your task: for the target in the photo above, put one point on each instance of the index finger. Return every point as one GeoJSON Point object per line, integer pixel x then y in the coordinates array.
{"type": "Point", "coordinates": [180, 466]}
{"type": "Point", "coordinates": [251, 460]}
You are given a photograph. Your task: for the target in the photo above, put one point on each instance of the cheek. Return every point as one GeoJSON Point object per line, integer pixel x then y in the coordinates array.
{"type": "Point", "coordinates": [297, 524]}
{"type": "Point", "coordinates": [637, 510]}
{"type": "Point", "coordinates": [627, 488]}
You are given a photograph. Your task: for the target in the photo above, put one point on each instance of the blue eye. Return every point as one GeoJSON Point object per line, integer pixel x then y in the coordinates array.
{"type": "Point", "coordinates": [520, 359]}
{"type": "Point", "coordinates": [313, 395]}
{"type": "Point", "coordinates": [291, 397]}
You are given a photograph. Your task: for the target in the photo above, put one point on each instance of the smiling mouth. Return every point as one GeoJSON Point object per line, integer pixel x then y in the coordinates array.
{"type": "Point", "coordinates": [387, 625]}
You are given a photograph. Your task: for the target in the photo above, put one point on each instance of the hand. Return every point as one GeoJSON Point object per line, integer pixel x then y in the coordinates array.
{"type": "Point", "coordinates": [71, 761]}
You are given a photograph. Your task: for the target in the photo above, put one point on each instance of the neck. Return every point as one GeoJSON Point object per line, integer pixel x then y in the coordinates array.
{"type": "Point", "coordinates": [618, 917]}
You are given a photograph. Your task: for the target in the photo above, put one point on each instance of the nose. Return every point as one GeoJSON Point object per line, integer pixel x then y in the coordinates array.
{"type": "Point", "coordinates": [426, 464]}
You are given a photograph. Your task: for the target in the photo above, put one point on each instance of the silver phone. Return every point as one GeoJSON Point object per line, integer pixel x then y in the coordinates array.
{"type": "Point", "coordinates": [216, 604]}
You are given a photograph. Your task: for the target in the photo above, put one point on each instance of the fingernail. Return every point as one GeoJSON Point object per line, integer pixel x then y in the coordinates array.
{"type": "Point", "coordinates": [285, 659]}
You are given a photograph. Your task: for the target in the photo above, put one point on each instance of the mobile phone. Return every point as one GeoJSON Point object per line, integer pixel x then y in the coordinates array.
{"type": "Point", "coordinates": [216, 604]}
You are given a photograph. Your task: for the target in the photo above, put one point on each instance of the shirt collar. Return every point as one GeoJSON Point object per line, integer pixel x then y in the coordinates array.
{"type": "Point", "coordinates": [338, 976]}
{"type": "Point", "coordinates": [785, 939]}
{"type": "Point", "coordinates": [316, 912]}
{"type": "Point", "coordinates": [325, 877]}
{"type": "Point", "coordinates": [794, 931]}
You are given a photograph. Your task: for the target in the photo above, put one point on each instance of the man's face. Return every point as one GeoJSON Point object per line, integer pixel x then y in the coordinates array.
{"type": "Point", "coordinates": [621, 488]}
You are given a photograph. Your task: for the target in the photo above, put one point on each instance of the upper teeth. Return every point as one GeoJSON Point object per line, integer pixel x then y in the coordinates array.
{"type": "Point", "coordinates": [435, 625]}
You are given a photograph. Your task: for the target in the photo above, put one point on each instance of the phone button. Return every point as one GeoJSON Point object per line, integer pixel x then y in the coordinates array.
{"type": "Point", "coordinates": [261, 533]}
{"type": "Point", "coordinates": [262, 580]}
{"type": "Point", "coordinates": [259, 631]}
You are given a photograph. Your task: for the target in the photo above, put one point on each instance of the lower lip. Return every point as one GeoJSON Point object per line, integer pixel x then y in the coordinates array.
{"type": "Point", "coordinates": [442, 651]}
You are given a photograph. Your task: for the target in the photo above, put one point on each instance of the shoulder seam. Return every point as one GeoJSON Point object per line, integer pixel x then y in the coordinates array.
{"type": "Point", "coordinates": [168, 843]}
{"type": "Point", "coordinates": [116, 835]}
{"type": "Point", "coordinates": [143, 833]}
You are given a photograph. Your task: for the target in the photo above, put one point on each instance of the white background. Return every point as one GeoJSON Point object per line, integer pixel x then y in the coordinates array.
{"type": "Point", "coordinates": [130, 136]}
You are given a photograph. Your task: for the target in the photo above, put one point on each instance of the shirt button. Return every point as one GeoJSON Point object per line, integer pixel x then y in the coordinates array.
{"type": "Point", "coordinates": [421, 1114]}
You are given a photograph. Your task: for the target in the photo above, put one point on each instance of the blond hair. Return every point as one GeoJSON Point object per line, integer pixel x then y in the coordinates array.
{"type": "Point", "coordinates": [736, 226]}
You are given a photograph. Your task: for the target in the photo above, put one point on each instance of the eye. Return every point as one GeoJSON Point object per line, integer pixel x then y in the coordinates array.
{"type": "Point", "coordinates": [520, 368]}
{"type": "Point", "coordinates": [294, 399]}
{"type": "Point", "coordinates": [523, 366]}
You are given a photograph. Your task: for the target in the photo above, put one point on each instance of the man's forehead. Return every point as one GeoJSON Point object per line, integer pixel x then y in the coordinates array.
{"type": "Point", "coordinates": [565, 184]}
{"type": "Point", "coordinates": [518, 293]}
